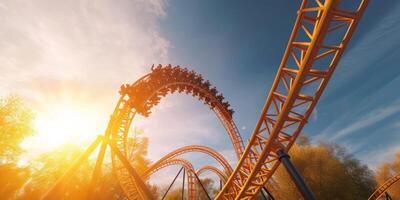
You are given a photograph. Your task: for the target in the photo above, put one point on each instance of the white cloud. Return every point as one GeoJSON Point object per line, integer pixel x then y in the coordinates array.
{"type": "Point", "coordinates": [77, 52]}
{"type": "Point", "coordinates": [375, 44]}
{"type": "Point", "coordinates": [180, 120]}
{"type": "Point", "coordinates": [100, 44]}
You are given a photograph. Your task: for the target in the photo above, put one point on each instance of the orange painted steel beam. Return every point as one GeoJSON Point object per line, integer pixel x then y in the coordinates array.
{"type": "Point", "coordinates": [142, 95]}
{"type": "Point", "coordinates": [147, 92]}
{"type": "Point", "coordinates": [191, 179]}
{"type": "Point", "coordinates": [221, 175]}
{"type": "Point", "coordinates": [193, 148]}
{"type": "Point", "coordinates": [384, 187]}
{"type": "Point", "coordinates": [143, 191]}
{"type": "Point", "coordinates": [307, 65]}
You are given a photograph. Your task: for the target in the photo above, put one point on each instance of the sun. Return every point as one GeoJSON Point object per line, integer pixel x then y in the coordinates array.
{"type": "Point", "coordinates": [65, 124]}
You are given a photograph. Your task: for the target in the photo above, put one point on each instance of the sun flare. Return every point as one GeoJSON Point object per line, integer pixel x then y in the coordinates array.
{"type": "Point", "coordinates": [62, 125]}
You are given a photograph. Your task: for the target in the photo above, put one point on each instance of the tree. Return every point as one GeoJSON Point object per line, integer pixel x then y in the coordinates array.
{"type": "Point", "coordinates": [50, 166]}
{"type": "Point", "coordinates": [46, 170]}
{"type": "Point", "coordinates": [15, 125]}
{"type": "Point", "coordinates": [12, 178]}
{"type": "Point", "coordinates": [137, 145]}
{"type": "Point", "coordinates": [386, 171]}
{"type": "Point", "coordinates": [329, 172]}
{"type": "Point", "coordinates": [201, 195]}
{"type": "Point", "coordinates": [209, 187]}
{"type": "Point", "coordinates": [175, 194]}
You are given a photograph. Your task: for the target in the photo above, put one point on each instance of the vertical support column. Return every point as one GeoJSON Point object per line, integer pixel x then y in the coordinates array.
{"type": "Point", "coordinates": [270, 196]}
{"type": "Point", "coordinates": [183, 183]}
{"type": "Point", "coordinates": [387, 196]}
{"type": "Point", "coordinates": [266, 194]}
{"type": "Point", "coordinates": [97, 171]}
{"type": "Point", "coordinates": [99, 162]}
{"type": "Point", "coordinates": [144, 192]}
{"type": "Point", "coordinates": [202, 186]}
{"type": "Point", "coordinates": [165, 194]}
{"type": "Point", "coordinates": [295, 175]}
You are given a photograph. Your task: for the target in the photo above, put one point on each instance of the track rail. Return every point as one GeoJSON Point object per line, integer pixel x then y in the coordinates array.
{"type": "Point", "coordinates": [193, 148]}
{"type": "Point", "coordinates": [142, 95]}
{"type": "Point", "coordinates": [222, 176]}
{"type": "Point", "coordinates": [163, 80]}
{"type": "Point", "coordinates": [191, 178]}
{"type": "Point", "coordinates": [307, 65]}
{"type": "Point", "coordinates": [384, 187]}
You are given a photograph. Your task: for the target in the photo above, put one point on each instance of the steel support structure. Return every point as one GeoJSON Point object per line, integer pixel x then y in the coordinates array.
{"type": "Point", "coordinates": [54, 191]}
{"type": "Point", "coordinates": [57, 188]}
{"type": "Point", "coordinates": [143, 94]}
{"type": "Point", "coordinates": [169, 187]}
{"type": "Point", "coordinates": [320, 35]}
{"type": "Point", "coordinates": [189, 171]}
{"type": "Point", "coordinates": [307, 65]}
{"type": "Point", "coordinates": [222, 176]}
{"type": "Point", "coordinates": [202, 186]}
{"type": "Point", "coordinates": [298, 180]}
{"type": "Point", "coordinates": [387, 196]}
{"type": "Point", "coordinates": [183, 183]}
{"type": "Point", "coordinates": [266, 194]}
{"type": "Point", "coordinates": [384, 187]}
{"type": "Point", "coordinates": [194, 148]}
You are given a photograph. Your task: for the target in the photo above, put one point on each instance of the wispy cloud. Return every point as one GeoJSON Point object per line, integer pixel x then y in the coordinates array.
{"type": "Point", "coordinates": [371, 118]}
{"type": "Point", "coordinates": [375, 158]}
{"type": "Point", "coordinates": [181, 120]}
{"type": "Point", "coordinates": [101, 44]}
{"type": "Point", "coordinates": [77, 52]}
{"type": "Point", "coordinates": [375, 44]}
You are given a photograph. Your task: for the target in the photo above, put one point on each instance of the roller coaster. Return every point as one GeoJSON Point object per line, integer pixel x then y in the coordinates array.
{"type": "Point", "coordinates": [319, 37]}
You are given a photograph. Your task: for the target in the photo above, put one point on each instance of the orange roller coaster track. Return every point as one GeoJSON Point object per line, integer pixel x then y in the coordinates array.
{"type": "Point", "coordinates": [141, 96]}
{"type": "Point", "coordinates": [219, 173]}
{"type": "Point", "coordinates": [194, 148]}
{"type": "Point", "coordinates": [384, 187]}
{"type": "Point", "coordinates": [320, 35]}
{"type": "Point", "coordinates": [147, 92]}
{"type": "Point", "coordinates": [171, 158]}
{"type": "Point", "coordinates": [161, 163]}
{"type": "Point", "coordinates": [307, 65]}
{"type": "Point", "coordinates": [191, 179]}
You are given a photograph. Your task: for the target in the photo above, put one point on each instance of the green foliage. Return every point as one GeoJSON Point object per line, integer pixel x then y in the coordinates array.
{"type": "Point", "coordinates": [15, 124]}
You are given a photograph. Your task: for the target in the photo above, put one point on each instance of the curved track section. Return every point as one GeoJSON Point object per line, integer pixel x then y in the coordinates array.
{"type": "Point", "coordinates": [117, 127]}
{"type": "Point", "coordinates": [193, 148]}
{"type": "Point", "coordinates": [213, 169]}
{"type": "Point", "coordinates": [147, 92]}
{"type": "Point", "coordinates": [318, 40]}
{"type": "Point", "coordinates": [141, 96]}
{"type": "Point", "coordinates": [384, 187]}
{"type": "Point", "coordinates": [191, 179]}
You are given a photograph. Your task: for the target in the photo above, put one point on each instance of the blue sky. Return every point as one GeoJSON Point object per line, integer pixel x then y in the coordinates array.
{"type": "Point", "coordinates": [72, 56]}
{"type": "Point", "coordinates": [238, 47]}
